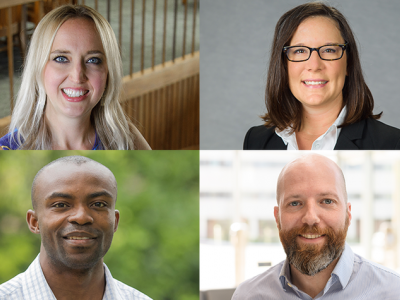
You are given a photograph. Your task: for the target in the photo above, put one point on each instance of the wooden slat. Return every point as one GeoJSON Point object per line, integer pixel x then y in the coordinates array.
{"type": "Point", "coordinates": [132, 38]}
{"type": "Point", "coordinates": [164, 32]}
{"type": "Point", "coordinates": [169, 117]}
{"type": "Point", "coordinates": [174, 33]}
{"type": "Point", "coordinates": [153, 46]}
{"type": "Point", "coordinates": [143, 23]}
{"type": "Point", "coordinates": [149, 80]}
{"type": "Point", "coordinates": [184, 32]}
{"type": "Point", "coordinates": [120, 27]}
{"type": "Point", "coordinates": [10, 3]}
{"type": "Point", "coordinates": [108, 10]}
{"type": "Point", "coordinates": [194, 25]}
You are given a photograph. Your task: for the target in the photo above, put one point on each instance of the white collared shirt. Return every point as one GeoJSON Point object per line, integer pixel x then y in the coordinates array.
{"type": "Point", "coordinates": [327, 141]}
{"type": "Point", "coordinates": [32, 285]}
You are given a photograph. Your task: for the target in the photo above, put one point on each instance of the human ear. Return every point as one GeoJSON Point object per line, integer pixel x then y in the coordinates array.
{"type": "Point", "coordinates": [33, 222]}
{"type": "Point", "coordinates": [116, 220]}
{"type": "Point", "coordinates": [349, 211]}
{"type": "Point", "coordinates": [276, 215]}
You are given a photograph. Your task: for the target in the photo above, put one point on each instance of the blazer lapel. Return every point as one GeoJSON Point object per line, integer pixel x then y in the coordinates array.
{"type": "Point", "coordinates": [348, 135]}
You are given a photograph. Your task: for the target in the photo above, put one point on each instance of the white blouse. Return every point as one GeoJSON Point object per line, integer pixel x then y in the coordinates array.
{"type": "Point", "coordinates": [327, 141]}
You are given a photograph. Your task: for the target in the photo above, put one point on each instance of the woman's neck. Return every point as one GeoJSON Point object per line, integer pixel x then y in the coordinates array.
{"type": "Point", "coordinates": [315, 122]}
{"type": "Point", "coordinates": [71, 134]}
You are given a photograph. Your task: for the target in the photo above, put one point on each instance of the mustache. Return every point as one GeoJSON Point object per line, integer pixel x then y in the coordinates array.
{"type": "Point", "coordinates": [84, 228]}
{"type": "Point", "coordinates": [307, 229]}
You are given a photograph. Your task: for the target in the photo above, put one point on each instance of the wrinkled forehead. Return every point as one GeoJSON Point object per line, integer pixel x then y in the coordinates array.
{"type": "Point", "coordinates": [63, 175]}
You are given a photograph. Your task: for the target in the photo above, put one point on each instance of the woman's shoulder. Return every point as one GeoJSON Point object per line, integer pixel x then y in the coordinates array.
{"type": "Point", "coordinates": [385, 136]}
{"type": "Point", "coordinates": [5, 142]}
{"type": "Point", "coordinates": [371, 134]}
{"type": "Point", "coordinates": [382, 128]}
{"type": "Point", "coordinates": [262, 137]}
{"type": "Point", "coordinates": [8, 142]}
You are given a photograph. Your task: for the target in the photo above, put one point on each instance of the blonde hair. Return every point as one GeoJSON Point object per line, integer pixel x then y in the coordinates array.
{"type": "Point", "coordinates": [28, 128]}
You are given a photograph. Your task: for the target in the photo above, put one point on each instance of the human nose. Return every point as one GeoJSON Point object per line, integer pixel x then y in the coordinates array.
{"type": "Point", "coordinates": [78, 72]}
{"type": "Point", "coordinates": [80, 216]}
{"type": "Point", "coordinates": [310, 216]}
{"type": "Point", "coordinates": [314, 62]}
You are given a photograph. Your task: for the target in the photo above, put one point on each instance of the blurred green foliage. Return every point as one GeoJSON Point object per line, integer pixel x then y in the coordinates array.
{"type": "Point", "coordinates": [156, 247]}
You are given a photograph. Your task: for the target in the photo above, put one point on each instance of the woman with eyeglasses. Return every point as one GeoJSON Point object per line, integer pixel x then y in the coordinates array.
{"type": "Point", "coordinates": [316, 95]}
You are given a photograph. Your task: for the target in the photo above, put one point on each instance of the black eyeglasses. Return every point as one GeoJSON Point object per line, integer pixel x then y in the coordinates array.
{"type": "Point", "coordinates": [303, 53]}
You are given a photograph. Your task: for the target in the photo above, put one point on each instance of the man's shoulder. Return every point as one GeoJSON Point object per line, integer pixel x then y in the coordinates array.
{"type": "Point", "coordinates": [11, 289]}
{"type": "Point", "coordinates": [129, 292]}
{"type": "Point", "coordinates": [259, 284]}
{"type": "Point", "coordinates": [381, 273]}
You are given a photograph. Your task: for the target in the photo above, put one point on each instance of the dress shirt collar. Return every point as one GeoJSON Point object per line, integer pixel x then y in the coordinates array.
{"type": "Point", "coordinates": [342, 271]}
{"type": "Point", "coordinates": [35, 285]}
{"type": "Point", "coordinates": [327, 141]}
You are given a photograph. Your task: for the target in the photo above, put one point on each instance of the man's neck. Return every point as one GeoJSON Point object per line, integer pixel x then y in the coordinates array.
{"type": "Point", "coordinates": [312, 285]}
{"type": "Point", "coordinates": [73, 284]}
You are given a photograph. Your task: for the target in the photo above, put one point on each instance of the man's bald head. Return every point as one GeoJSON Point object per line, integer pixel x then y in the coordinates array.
{"type": "Point", "coordinates": [311, 162]}
{"type": "Point", "coordinates": [81, 161]}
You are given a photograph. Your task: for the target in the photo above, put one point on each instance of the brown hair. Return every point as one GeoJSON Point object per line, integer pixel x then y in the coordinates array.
{"type": "Point", "coordinates": [284, 110]}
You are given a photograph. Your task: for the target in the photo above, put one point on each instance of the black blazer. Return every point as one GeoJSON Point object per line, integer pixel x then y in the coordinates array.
{"type": "Point", "coordinates": [368, 134]}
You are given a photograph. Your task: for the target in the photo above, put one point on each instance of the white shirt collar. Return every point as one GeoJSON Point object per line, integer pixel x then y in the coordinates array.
{"type": "Point", "coordinates": [327, 141]}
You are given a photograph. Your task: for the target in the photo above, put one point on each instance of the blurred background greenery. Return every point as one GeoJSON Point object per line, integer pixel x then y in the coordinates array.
{"type": "Point", "coordinates": [156, 247]}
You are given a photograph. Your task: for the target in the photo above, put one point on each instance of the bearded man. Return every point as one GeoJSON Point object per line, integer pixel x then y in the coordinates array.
{"type": "Point", "coordinates": [312, 217]}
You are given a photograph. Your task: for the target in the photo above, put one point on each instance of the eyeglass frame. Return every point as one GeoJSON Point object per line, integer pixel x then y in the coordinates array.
{"type": "Point", "coordinates": [343, 46]}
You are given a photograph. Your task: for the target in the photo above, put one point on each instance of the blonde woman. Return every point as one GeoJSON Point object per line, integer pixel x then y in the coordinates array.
{"type": "Point", "coordinates": [70, 90]}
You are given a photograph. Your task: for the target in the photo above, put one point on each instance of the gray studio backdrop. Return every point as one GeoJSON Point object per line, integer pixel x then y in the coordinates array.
{"type": "Point", "coordinates": [236, 37]}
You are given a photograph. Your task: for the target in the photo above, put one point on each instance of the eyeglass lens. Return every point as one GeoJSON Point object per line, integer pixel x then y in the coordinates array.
{"type": "Point", "coordinates": [303, 53]}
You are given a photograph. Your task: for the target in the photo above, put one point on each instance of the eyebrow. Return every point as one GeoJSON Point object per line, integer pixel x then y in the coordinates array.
{"type": "Point", "coordinates": [100, 194]}
{"type": "Point", "coordinates": [59, 195]}
{"type": "Point", "coordinates": [297, 196]}
{"type": "Point", "coordinates": [70, 197]}
{"type": "Point", "coordinates": [62, 51]}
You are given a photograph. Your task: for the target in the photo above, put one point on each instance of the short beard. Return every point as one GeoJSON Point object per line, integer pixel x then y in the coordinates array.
{"type": "Point", "coordinates": [312, 259]}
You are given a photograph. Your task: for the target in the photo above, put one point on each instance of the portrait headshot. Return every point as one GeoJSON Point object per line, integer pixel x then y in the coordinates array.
{"type": "Point", "coordinates": [96, 75]}
{"type": "Point", "coordinates": [299, 75]}
{"type": "Point", "coordinates": [88, 221]}
{"type": "Point", "coordinates": [283, 225]}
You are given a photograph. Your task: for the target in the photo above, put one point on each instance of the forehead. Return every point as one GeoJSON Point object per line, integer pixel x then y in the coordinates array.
{"type": "Point", "coordinates": [78, 180]}
{"type": "Point", "coordinates": [317, 30]}
{"type": "Point", "coordinates": [311, 178]}
{"type": "Point", "coordinates": [78, 33]}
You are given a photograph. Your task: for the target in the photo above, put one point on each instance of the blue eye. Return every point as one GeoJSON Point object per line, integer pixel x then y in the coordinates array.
{"type": "Point", "coordinates": [327, 201]}
{"type": "Point", "coordinates": [294, 203]}
{"type": "Point", "coordinates": [94, 60]}
{"type": "Point", "coordinates": [61, 59]}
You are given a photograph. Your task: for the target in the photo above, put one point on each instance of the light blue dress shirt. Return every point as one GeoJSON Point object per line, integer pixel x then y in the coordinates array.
{"type": "Point", "coordinates": [353, 278]}
{"type": "Point", "coordinates": [32, 285]}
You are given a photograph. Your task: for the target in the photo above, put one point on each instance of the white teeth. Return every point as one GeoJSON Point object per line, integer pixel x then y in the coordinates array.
{"type": "Point", "coordinates": [314, 82]}
{"type": "Point", "coordinates": [74, 93]}
{"type": "Point", "coordinates": [310, 236]}
{"type": "Point", "coordinates": [78, 238]}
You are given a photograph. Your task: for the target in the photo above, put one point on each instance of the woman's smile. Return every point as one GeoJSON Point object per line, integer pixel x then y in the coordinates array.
{"type": "Point", "coordinates": [315, 82]}
{"type": "Point", "coordinates": [76, 74]}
